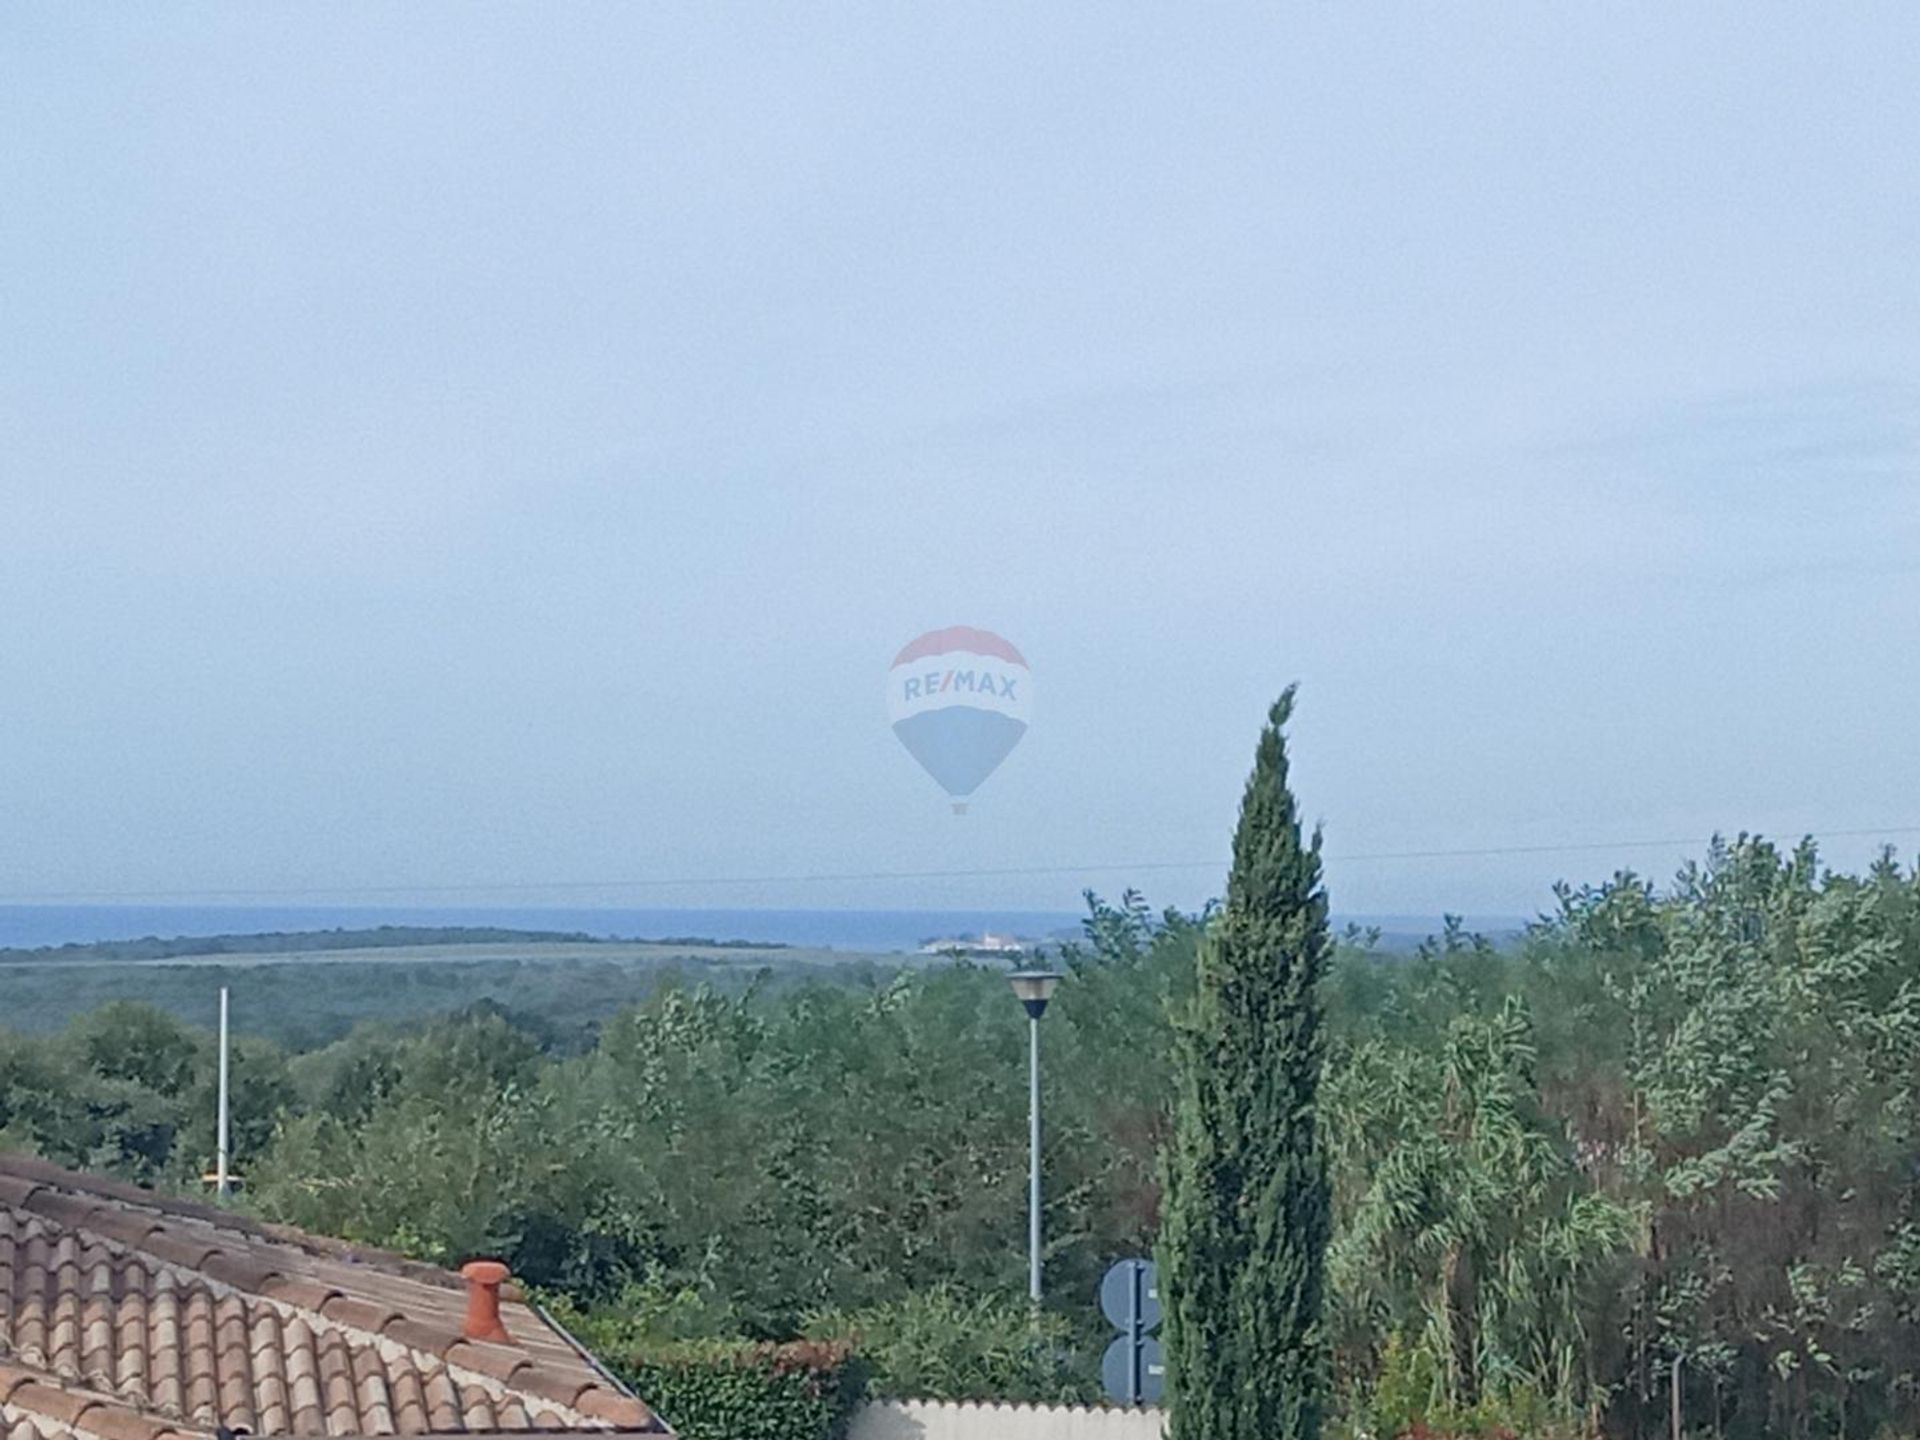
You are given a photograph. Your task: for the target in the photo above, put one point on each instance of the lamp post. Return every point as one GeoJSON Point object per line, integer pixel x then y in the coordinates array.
{"type": "Point", "coordinates": [1033, 988]}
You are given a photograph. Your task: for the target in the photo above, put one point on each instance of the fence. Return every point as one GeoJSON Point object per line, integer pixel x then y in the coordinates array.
{"type": "Point", "coordinates": [941, 1420]}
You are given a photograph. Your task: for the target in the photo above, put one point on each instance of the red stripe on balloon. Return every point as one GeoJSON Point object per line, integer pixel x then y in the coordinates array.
{"type": "Point", "coordinates": [959, 637]}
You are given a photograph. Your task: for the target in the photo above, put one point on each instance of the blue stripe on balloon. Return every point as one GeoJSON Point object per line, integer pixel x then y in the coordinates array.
{"type": "Point", "coordinates": [959, 745]}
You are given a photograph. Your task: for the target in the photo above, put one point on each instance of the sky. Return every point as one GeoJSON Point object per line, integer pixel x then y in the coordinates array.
{"type": "Point", "coordinates": [496, 451]}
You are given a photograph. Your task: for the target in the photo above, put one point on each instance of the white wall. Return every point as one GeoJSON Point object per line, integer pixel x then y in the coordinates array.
{"type": "Point", "coordinates": [939, 1420]}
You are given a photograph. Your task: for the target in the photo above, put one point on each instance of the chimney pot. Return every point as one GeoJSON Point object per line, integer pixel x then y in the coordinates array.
{"type": "Point", "coordinates": [484, 1278]}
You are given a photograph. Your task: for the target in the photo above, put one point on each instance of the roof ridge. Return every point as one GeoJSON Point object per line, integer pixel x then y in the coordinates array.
{"type": "Point", "coordinates": [36, 1171]}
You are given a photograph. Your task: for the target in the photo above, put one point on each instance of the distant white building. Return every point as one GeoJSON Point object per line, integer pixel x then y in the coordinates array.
{"type": "Point", "coordinates": [988, 944]}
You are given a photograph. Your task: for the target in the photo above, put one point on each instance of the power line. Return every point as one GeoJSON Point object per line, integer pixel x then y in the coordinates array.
{"type": "Point", "coordinates": [1608, 845]}
{"type": "Point", "coordinates": [868, 876]}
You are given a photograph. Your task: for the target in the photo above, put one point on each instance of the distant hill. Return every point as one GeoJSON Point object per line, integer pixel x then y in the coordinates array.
{"type": "Point", "coordinates": [294, 942]}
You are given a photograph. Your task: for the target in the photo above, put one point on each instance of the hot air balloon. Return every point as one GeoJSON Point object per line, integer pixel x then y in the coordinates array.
{"type": "Point", "coordinates": [959, 700]}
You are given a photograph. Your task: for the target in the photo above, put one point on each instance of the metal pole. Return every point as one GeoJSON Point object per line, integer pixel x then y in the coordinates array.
{"type": "Point", "coordinates": [1033, 1159]}
{"type": "Point", "coordinates": [1136, 1281]}
{"type": "Point", "coordinates": [220, 1176]}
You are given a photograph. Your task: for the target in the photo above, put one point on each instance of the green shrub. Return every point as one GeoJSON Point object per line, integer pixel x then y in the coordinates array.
{"type": "Point", "coordinates": [727, 1390]}
{"type": "Point", "coordinates": [644, 1316]}
{"type": "Point", "coordinates": [1406, 1401]}
{"type": "Point", "coordinates": [941, 1344]}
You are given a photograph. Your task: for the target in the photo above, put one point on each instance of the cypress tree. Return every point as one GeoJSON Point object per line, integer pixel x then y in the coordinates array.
{"type": "Point", "coordinates": [1247, 1210]}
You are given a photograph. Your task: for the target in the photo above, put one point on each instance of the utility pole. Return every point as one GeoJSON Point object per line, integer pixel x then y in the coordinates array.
{"type": "Point", "coordinates": [223, 1156]}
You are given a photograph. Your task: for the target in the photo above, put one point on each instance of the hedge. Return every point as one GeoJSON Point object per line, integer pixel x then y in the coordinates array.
{"type": "Point", "coordinates": [726, 1390]}
{"type": "Point", "coordinates": [943, 1344]}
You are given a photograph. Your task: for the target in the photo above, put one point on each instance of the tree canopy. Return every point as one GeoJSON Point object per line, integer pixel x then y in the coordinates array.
{"type": "Point", "coordinates": [1669, 1126]}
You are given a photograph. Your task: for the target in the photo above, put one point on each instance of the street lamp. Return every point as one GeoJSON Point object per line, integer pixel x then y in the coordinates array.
{"type": "Point", "coordinates": [1033, 988]}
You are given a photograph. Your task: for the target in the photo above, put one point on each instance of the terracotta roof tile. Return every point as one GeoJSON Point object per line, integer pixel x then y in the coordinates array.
{"type": "Point", "coordinates": [113, 1422]}
{"type": "Point", "coordinates": [623, 1412]}
{"type": "Point", "coordinates": [16, 1190]}
{"type": "Point", "coordinates": [409, 1402]}
{"type": "Point", "coordinates": [550, 1384]}
{"type": "Point", "coordinates": [417, 1335]}
{"type": "Point", "coordinates": [443, 1402]}
{"type": "Point", "coordinates": [60, 1206]}
{"type": "Point", "coordinates": [479, 1410]}
{"type": "Point", "coordinates": [133, 1317]}
{"type": "Point", "coordinates": [513, 1414]}
{"type": "Point", "coordinates": [180, 1247]}
{"type": "Point", "coordinates": [359, 1314]}
{"type": "Point", "coordinates": [336, 1384]}
{"type": "Point", "coordinates": [271, 1410]}
{"type": "Point", "coordinates": [485, 1357]}
{"type": "Point", "coordinates": [298, 1291]}
{"type": "Point", "coordinates": [128, 1227]}
{"type": "Point", "coordinates": [50, 1401]}
{"type": "Point", "coordinates": [238, 1270]}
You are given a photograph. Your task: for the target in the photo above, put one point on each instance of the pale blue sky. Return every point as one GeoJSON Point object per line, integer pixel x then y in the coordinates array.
{"type": "Point", "coordinates": [449, 444]}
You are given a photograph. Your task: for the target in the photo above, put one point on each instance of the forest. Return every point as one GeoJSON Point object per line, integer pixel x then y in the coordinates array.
{"type": "Point", "coordinates": [305, 990]}
{"type": "Point", "coordinates": [1658, 1150]}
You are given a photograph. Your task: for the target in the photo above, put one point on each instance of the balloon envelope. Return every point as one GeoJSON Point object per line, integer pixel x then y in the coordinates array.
{"type": "Point", "coordinates": [959, 700]}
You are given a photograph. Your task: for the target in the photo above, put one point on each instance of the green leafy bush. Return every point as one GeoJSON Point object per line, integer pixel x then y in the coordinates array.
{"type": "Point", "coordinates": [726, 1390]}
{"type": "Point", "coordinates": [942, 1344]}
{"type": "Point", "coordinates": [645, 1315]}
{"type": "Point", "coordinates": [1408, 1401]}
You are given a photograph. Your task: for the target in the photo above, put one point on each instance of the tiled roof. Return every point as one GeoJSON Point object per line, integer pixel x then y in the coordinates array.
{"type": "Point", "coordinates": [125, 1316]}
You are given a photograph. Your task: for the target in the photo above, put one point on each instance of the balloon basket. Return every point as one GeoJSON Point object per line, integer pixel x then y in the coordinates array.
{"type": "Point", "coordinates": [959, 807]}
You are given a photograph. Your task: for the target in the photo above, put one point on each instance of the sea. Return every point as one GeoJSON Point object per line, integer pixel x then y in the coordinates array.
{"type": "Point", "coordinates": [868, 931]}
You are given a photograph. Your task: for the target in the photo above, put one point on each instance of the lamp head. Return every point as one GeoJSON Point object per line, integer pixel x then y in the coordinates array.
{"type": "Point", "coordinates": [1033, 988]}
